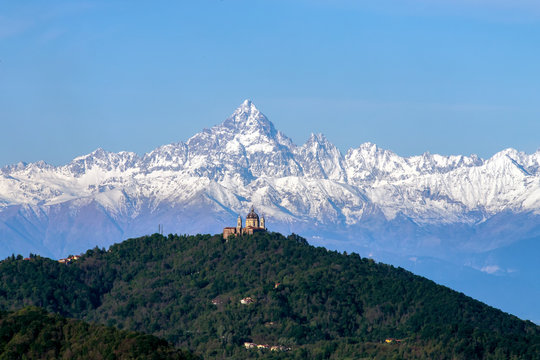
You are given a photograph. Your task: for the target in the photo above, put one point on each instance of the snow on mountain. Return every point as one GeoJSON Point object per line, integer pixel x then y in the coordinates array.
{"type": "Point", "coordinates": [320, 159]}
{"type": "Point", "coordinates": [202, 184]}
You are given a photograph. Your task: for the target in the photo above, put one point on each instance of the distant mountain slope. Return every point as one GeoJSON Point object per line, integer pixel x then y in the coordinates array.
{"type": "Point", "coordinates": [321, 304]}
{"type": "Point", "coordinates": [453, 208]}
{"type": "Point", "coordinates": [31, 333]}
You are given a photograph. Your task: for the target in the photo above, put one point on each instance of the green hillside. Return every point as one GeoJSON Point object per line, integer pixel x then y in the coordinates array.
{"type": "Point", "coordinates": [32, 333]}
{"type": "Point", "coordinates": [319, 303]}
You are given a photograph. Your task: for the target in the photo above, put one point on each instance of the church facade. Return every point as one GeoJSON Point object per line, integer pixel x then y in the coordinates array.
{"type": "Point", "coordinates": [253, 225]}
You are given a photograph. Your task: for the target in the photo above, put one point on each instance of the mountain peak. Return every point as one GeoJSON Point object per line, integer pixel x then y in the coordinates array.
{"type": "Point", "coordinates": [318, 138]}
{"type": "Point", "coordinates": [318, 141]}
{"type": "Point", "coordinates": [247, 118]}
{"type": "Point", "coordinates": [247, 127]}
{"type": "Point", "coordinates": [247, 110]}
{"type": "Point", "coordinates": [247, 105]}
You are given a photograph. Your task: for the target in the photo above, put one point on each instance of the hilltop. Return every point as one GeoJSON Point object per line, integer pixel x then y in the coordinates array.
{"type": "Point", "coordinates": [319, 303]}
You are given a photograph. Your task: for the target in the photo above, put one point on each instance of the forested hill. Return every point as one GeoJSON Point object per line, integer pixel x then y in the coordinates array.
{"type": "Point", "coordinates": [319, 303]}
{"type": "Point", "coordinates": [32, 333]}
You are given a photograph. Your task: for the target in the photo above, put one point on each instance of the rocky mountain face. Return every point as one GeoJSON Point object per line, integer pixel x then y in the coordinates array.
{"type": "Point", "coordinates": [369, 199]}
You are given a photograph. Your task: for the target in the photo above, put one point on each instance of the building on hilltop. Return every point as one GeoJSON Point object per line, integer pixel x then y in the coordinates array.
{"type": "Point", "coordinates": [253, 225]}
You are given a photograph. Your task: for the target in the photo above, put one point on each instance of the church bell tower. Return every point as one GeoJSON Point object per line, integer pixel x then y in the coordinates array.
{"type": "Point", "coordinates": [239, 224]}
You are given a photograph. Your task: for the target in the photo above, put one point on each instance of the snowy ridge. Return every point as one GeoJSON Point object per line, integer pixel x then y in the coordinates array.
{"type": "Point", "coordinates": [220, 171]}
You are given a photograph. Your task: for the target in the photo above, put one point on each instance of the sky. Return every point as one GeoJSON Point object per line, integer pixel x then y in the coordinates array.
{"type": "Point", "coordinates": [412, 76]}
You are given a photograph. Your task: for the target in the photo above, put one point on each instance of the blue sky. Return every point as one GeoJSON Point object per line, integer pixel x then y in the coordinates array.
{"type": "Point", "coordinates": [449, 77]}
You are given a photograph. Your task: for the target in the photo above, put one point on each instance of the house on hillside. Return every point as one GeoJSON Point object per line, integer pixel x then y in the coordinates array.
{"type": "Point", "coordinates": [247, 300]}
{"type": "Point", "coordinates": [217, 302]}
{"type": "Point", "coordinates": [69, 259]}
{"type": "Point", "coordinates": [279, 348]}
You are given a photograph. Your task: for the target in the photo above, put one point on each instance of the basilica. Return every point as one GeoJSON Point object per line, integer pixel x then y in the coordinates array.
{"type": "Point", "coordinates": [253, 225]}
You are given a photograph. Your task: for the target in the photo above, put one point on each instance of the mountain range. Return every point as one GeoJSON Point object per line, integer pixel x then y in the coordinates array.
{"type": "Point", "coordinates": [436, 215]}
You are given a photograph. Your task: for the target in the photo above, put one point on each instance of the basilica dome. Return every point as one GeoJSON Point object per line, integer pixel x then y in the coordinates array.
{"type": "Point", "coordinates": [252, 214]}
{"type": "Point", "coordinates": [252, 219]}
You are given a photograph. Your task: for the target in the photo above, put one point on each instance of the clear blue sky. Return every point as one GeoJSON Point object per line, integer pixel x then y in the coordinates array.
{"type": "Point", "coordinates": [444, 76]}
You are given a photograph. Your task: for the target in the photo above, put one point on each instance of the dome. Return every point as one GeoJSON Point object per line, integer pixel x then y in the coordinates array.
{"type": "Point", "coordinates": [252, 214]}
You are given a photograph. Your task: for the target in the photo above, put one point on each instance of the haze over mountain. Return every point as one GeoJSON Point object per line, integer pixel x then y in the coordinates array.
{"type": "Point", "coordinates": [430, 212]}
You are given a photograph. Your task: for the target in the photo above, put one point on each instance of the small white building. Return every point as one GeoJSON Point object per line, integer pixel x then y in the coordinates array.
{"type": "Point", "coordinates": [247, 300]}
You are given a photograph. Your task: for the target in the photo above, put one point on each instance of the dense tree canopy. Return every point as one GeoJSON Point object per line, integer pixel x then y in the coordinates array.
{"type": "Point", "coordinates": [319, 303]}
{"type": "Point", "coordinates": [32, 333]}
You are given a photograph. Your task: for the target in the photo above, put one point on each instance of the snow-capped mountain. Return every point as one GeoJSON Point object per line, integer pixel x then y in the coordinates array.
{"type": "Point", "coordinates": [458, 210]}
{"type": "Point", "coordinates": [368, 194]}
